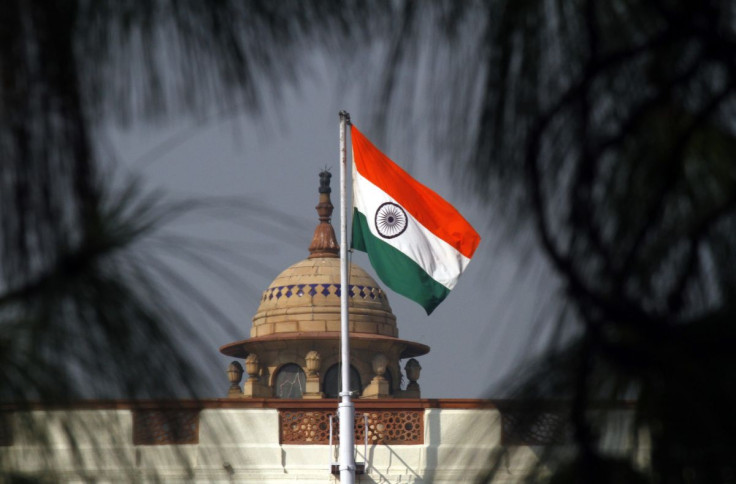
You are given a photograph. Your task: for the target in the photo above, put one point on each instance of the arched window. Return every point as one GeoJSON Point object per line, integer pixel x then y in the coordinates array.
{"type": "Point", "coordinates": [332, 381]}
{"type": "Point", "coordinates": [290, 381]}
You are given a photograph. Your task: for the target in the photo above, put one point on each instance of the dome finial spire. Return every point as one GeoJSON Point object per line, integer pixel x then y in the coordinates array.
{"type": "Point", "coordinates": [324, 242]}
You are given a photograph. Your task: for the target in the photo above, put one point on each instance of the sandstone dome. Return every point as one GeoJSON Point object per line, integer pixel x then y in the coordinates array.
{"type": "Point", "coordinates": [306, 298]}
{"type": "Point", "coordinates": [295, 337]}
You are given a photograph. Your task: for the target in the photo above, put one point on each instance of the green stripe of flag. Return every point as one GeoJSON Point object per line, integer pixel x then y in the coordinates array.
{"type": "Point", "coordinates": [396, 269]}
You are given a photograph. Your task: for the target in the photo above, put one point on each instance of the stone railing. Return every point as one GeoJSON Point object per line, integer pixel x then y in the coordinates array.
{"type": "Point", "coordinates": [384, 426]}
{"type": "Point", "coordinates": [165, 426]}
{"type": "Point", "coordinates": [390, 421]}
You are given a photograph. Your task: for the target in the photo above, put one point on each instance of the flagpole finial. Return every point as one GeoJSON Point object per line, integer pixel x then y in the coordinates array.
{"type": "Point", "coordinates": [324, 243]}
{"type": "Point", "coordinates": [346, 116]}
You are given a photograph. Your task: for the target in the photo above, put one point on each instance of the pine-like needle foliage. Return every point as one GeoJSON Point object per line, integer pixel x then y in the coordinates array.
{"type": "Point", "coordinates": [606, 125]}
{"type": "Point", "coordinates": [607, 130]}
{"type": "Point", "coordinates": [88, 307]}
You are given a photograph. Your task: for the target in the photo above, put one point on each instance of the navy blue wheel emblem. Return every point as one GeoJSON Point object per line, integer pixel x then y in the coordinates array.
{"type": "Point", "coordinates": [391, 220]}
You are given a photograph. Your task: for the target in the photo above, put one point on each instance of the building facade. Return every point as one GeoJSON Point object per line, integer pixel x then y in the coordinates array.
{"type": "Point", "coordinates": [278, 425]}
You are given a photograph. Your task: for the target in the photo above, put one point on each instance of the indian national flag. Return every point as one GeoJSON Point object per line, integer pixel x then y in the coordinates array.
{"type": "Point", "coordinates": [416, 241]}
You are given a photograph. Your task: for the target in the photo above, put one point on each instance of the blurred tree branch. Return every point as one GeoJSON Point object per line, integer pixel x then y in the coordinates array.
{"type": "Point", "coordinates": [89, 305]}
{"type": "Point", "coordinates": [609, 125]}
{"type": "Point", "coordinates": [606, 127]}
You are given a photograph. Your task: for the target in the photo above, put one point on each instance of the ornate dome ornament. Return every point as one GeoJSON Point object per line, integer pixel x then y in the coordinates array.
{"type": "Point", "coordinates": [312, 360]}
{"type": "Point", "coordinates": [252, 365]}
{"type": "Point", "coordinates": [324, 243]}
{"type": "Point", "coordinates": [379, 363]}
{"type": "Point", "coordinates": [234, 374]}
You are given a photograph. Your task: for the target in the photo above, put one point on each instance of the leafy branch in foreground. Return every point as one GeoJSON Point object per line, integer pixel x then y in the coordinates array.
{"type": "Point", "coordinates": [606, 130]}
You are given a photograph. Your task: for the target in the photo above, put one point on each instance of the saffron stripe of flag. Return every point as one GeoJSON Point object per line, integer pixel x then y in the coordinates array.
{"type": "Point", "coordinates": [417, 242]}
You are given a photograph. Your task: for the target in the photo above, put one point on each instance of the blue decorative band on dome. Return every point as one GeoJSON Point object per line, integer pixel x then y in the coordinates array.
{"type": "Point", "coordinates": [300, 290]}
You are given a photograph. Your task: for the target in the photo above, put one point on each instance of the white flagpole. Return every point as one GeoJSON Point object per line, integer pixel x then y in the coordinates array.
{"type": "Point", "coordinates": [346, 409]}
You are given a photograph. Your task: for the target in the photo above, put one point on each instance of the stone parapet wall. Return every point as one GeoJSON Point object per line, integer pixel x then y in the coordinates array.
{"type": "Point", "coordinates": [234, 441]}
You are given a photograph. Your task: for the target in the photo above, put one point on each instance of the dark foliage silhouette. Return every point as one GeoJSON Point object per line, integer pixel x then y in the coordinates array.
{"type": "Point", "coordinates": [604, 127]}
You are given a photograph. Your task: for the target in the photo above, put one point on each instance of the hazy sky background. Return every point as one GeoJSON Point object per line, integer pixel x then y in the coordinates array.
{"type": "Point", "coordinates": [491, 322]}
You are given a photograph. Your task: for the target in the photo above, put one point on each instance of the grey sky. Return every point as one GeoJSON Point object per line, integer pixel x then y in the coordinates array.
{"type": "Point", "coordinates": [488, 324]}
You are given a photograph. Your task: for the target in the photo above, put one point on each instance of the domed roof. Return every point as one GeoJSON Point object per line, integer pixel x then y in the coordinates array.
{"type": "Point", "coordinates": [303, 303]}
{"type": "Point", "coordinates": [306, 298]}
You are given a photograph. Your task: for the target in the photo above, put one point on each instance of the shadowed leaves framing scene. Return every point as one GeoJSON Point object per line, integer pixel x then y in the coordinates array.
{"type": "Point", "coordinates": [169, 312]}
